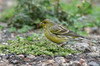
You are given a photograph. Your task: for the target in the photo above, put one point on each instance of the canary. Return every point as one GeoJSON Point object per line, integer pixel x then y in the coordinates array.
{"type": "Point", "coordinates": [57, 33]}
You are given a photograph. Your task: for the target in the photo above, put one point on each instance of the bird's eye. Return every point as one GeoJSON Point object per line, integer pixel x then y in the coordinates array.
{"type": "Point", "coordinates": [44, 22]}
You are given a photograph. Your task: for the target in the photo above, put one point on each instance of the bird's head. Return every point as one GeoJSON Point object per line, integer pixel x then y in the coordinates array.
{"type": "Point", "coordinates": [47, 23]}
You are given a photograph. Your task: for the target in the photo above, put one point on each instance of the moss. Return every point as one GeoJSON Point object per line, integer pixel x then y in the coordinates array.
{"type": "Point", "coordinates": [38, 45]}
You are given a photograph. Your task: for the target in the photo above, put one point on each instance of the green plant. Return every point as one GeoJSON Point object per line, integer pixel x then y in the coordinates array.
{"type": "Point", "coordinates": [8, 13]}
{"type": "Point", "coordinates": [36, 45]}
{"type": "Point", "coordinates": [20, 20]}
{"type": "Point", "coordinates": [84, 8]}
{"type": "Point", "coordinates": [1, 27]}
{"type": "Point", "coordinates": [31, 11]}
{"type": "Point", "coordinates": [12, 29]}
{"type": "Point", "coordinates": [24, 29]}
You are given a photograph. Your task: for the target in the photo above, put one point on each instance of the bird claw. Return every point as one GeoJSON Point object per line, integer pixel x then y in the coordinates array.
{"type": "Point", "coordinates": [63, 44]}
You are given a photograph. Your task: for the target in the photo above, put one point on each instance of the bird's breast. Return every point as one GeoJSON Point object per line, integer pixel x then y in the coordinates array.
{"type": "Point", "coordinates": [55, 38]}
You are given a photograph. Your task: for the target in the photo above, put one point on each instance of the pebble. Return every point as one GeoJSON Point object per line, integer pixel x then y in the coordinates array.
{"type": "Point", "coordinates": [93, 48]}
{"type": "Point", "coordinates": [73, 60]}
{"type": "Point", "coordinates": [30, 56]}
{"type": "Point", "coordinates": [37, 64]}
{"type": "Point", "coordinates": [93, 63]}
{"type": "Point", "coordinates": [14, 61]}
{"type": "Point", "coordinates": [60, 60]}
{"type": "Point", "coordinates": [5, 43]}
{"type": "Point", "coordinates": [21, 56]}
{"type": "Point", "coordinates": [83, 62]}
{"type": "Point", "coordinates": [82, 46]}
{"type": "Point", "coordinates": [94, 54]}
{"type": "Point", "coordinates": [49, 61]}
{"type": "Point", "coordinates": [75, 63]}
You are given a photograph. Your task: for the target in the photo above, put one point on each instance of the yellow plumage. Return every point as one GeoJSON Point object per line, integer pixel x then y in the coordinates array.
{"type": "Point", "coordinates": [57, 33]}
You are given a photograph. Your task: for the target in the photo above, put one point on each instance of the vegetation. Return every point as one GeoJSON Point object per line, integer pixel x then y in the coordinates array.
{"type": "Point", "coordinates": [35, 45]}
{"type": "Point", "coordinates": [32, 12]}
{"type": "Point", "coordinates": [29, 13]}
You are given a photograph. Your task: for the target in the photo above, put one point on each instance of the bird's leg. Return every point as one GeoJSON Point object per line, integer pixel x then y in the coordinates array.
{"type": "Point", "coordinates": [63, 44]}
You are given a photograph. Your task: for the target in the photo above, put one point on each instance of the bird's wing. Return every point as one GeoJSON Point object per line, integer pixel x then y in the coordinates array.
{"type": "Point", "coordinates": [60, 30]}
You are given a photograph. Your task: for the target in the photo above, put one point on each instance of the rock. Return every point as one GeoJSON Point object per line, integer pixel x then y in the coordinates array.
{"type": "Point", "coordinates": [93, 48]}
{"type": "Point", "coordinates": [14, 61]}
{"type": "Point", "coordinates": [21, 56]}
{"type": "Point", "coordinates": [71, 57]}
{"type": "Point", "coordinates": [6, 33]}
{"type": "Point", "coordinates": [82, 46]}
{"type": "Point", "coordinates": [88, 29]}
{"type": "Point", "coordinates": [75, 63]}
{"type": "Point", "coordinates": [53, 64]}
{"type": "Point", "coordinates": [3, 24]}
{"type": "Point", "coordinates": [27, 59]}
{"type": "Point", "coordinates": [9, 56]}
{"type": "Point", "coordinates": [37, 59]}
{"type": "Point", "coordinates": [60, 60]}
{"type": "Point", "coordinates": [30, 56]}
{"type": "Point", "coordinates": [49, 61]}
{"type": "Point", "coordinates": [41, 58]}
{"type": "Point", "coordinates": [94, 54]}
{"type": "Point", "coordinates": [5, 62]}
{"type": "Point", "coordinates": [93, 63]}
{"type": "Point", "coordinates": [86, 41]}
{"type": "Point", "coordinates": [83, 62]}
{"type": "Point", "coordinates": [5, 43]}
{"type": "Point", "coordinates": [37, 64]}
{"type": "Point", "coordinates": [24, 65]}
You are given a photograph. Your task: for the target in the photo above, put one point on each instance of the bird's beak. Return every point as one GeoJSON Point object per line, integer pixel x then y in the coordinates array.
{"type": "Point", "coordinates": [41, 24]}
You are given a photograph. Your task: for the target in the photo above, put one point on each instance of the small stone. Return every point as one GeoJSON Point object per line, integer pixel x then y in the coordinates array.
{"type": "Point", "coordinates": [37, 64]}
{"type": "Point", "coordinates": [36, 59]}
{"type": "Point", "coordinates": [64, 64]}
{"type": "Point", "coordinates": [3, 24]}
{"type": "Point", "coordinates": [92, 63]}
{"type": "Point", "coordinates": [5, 43]}
{"type": "Point", "coordinates": [94, 54]}
{"type": "Point", "coordinates": [83, 62]}
{"type": "Point", "coordinates": [14, 61]}
{"type": "Point", "coordinates": [53, 64]}
{"type": "Point", "coordinates": [9, 56]}
{"type": "Point", "coordinates": [60, 60]}
{"type": "Point", "coordinates": [30, 56]}
{"type": "Point", "coordinates": [75, 63]}
{"type": "Point", "coordinates": [21, 56]}
{"type": "Point", "coordinates": [23, 65]}
{"type": "Point", "coordinates": [88, 29]}
{"type": "Point", "coordinates": [93, 48]}
{"type": "Point", "coordinates": [27, 59]}
{"type": "Point", "coordinates": [48, 62]}
{"type": "Point", "coordinates": [82, 46]}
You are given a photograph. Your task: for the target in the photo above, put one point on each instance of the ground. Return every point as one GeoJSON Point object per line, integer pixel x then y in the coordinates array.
{"type": "Point", "coordinates": [90, 55]}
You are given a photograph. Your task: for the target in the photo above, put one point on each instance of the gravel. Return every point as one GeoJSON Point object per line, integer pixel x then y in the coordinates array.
{"type": "Point", "coordinates": [89, 57]}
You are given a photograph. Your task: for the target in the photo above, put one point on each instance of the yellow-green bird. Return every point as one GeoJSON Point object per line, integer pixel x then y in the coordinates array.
{"type": "Point", "coordinates": [57, 33]}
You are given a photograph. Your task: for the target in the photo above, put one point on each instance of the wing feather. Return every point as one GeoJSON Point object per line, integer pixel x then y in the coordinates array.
{"type": "Point", "coordinates": [60, 30]}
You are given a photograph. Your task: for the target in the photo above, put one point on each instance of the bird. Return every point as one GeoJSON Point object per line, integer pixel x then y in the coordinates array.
{"type": "Point", "coordinates": [57, 33]}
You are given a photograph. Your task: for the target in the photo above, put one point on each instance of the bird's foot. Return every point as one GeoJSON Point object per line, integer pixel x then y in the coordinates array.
{"type": "Point", "coordinates": [63, 44]}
